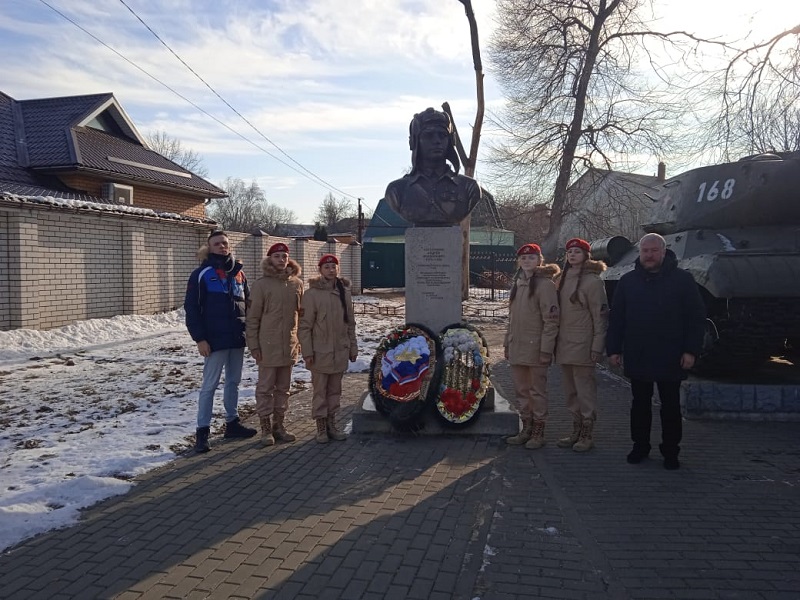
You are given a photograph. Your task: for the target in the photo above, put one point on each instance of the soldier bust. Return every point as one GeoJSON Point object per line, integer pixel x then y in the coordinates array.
{"type": "Point", "coordinates": [433, 194]}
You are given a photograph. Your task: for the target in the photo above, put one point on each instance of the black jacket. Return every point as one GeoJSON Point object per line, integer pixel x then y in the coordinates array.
{"type": "Point", "coordinates": [655, 318]}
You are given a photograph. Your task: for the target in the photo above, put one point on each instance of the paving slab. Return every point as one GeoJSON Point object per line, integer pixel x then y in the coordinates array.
{"type": "Point", "coordinates": [450, 517]}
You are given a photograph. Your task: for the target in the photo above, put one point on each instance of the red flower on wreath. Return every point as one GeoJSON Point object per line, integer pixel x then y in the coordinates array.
{"type": "Point", "coordinates": [476, 384]}
{"type": "Point", "coordinates": [452, 400]}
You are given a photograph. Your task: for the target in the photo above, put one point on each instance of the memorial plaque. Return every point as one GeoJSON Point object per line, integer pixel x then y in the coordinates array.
{"type": "Point", "coordinates": [433, 276]}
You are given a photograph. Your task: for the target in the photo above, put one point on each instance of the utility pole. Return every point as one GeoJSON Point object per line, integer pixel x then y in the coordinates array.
{"type": "Point", "coordinates": [360, 235]}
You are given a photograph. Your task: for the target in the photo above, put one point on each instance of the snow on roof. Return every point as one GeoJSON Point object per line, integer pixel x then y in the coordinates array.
{"type": "Point", "coordinates": [87, 205]}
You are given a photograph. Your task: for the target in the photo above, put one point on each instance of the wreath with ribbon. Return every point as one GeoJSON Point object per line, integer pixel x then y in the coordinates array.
{"type": "Point", "coordinates": [465, 374]}
{"type": "Point", "coordinates": [404, 374]}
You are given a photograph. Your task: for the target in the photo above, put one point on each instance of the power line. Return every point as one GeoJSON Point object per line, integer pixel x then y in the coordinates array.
{"type": "Point", "coordinates": [187, 100]}
{"type": "Point", "coordinates": [241, 116]}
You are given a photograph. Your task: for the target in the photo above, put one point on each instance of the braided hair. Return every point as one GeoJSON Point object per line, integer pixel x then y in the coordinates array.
{"type": "Point", "coordinates": [340, 287]}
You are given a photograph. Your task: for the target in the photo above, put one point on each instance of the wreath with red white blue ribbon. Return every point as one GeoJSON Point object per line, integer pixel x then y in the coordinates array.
{"type": "Point", "coordinates": [404, 373]}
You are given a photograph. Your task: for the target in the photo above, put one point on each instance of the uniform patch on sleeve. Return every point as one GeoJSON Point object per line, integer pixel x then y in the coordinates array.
{"type": "Point", "coordinates": [553, 313]}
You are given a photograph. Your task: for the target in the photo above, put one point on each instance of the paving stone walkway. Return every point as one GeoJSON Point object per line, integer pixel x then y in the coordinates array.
{"type": "Point", "coordinates": [453, 517]}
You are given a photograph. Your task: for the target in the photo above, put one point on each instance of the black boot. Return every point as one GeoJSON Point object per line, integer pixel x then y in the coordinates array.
{"type": "Point", "coordinates": [638, 454]}
{"type": "Point", "coordinates": [235, 429]}
{"type": "Point", "coordinates": [201, 440]}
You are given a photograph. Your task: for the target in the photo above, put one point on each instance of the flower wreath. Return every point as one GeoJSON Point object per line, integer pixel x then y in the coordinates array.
{"type": "Point", "coordinates": [402, 373]}
{"type": "Point", "coordinates": [465, 374]}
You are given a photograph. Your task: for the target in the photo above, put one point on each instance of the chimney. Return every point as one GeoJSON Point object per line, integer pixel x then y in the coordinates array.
{"type": "Point", "coordinates": [662, 171]}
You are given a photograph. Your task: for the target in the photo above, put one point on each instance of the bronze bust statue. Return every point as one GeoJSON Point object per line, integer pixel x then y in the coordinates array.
{"type": "Point", "coordinates": [433, 194]}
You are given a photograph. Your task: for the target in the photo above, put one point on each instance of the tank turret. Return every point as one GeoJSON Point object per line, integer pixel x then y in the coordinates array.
{"type": "Point", "coordinates": [736, 228]}
{"type": "Point", "coordinates": [757, 190]}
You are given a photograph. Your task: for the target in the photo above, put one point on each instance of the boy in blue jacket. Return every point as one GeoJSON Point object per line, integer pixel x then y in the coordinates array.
{"type": "Point", "coordinates": [216, 300]}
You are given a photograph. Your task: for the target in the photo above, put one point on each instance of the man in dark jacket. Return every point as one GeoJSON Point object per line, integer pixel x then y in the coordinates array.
{"type": "Point", "coordinates": [216, 300]}
{"type": "Point", "coordinates": [657, 322]}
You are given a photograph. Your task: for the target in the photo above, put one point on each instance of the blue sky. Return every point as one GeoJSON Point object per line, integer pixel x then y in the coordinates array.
{"type": "Point", "coordinates": [334, 84]}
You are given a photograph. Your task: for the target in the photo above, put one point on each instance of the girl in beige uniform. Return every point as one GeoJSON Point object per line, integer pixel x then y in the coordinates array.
{"type": "Point", "coordinates": [530, 341]}
{"type": "Point", "coordinates": [581, 339]}
{"type": "Point", "coordinates": [328, 339]}
{"type": "Point", "coordinates": [272, 339]}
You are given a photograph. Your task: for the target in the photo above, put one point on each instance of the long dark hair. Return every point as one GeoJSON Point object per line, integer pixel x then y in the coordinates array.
{"type": "Point", "coordinates": [340, 287]}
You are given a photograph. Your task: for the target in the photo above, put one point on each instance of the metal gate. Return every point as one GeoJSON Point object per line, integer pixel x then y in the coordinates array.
{"type": "Point", "coordinates": [383, 265]}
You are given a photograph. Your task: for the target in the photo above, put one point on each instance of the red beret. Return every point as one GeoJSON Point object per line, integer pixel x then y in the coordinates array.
{"type": "Point", "coordinates": [279, 247]}
{"type": "Point", "coordinates": [529, 249]}
{"type": "Point", "coordinates": [326, 259]}
{"type": "Point", "coordinates": [579, 243]}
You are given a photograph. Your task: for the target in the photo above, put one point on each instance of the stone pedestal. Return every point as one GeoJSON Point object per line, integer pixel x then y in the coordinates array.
{"type": "Point", "coordinates": [496, 418]}
{"type": "Point", "coordinates": [433, 276]}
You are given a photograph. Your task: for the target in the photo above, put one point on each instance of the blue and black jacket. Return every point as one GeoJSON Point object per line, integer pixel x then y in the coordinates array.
{"type": "Point", "coordinates": [216, 301]}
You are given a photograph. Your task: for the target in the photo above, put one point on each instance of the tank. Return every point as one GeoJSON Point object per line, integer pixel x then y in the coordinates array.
{"type": "Point", "coordinates": [736, 228]}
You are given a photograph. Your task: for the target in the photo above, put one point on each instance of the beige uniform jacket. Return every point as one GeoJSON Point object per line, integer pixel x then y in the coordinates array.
{"type": "Point", "coordinates": [582, 329]}
{"type": "Point", "coordinates": [533, 319]}
{"type": "Point", "coordinates": [323, 332]}
{"type": "Point", "coordinates": [271, 324]}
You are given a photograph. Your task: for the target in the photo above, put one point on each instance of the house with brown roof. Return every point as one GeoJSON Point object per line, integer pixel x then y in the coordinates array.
{"type": "Point", "coordinates": [87, 148]}
{"type": "Point", "coordinates": [93, 224]}
{"type": "Point", "coordinates": [604, 203]}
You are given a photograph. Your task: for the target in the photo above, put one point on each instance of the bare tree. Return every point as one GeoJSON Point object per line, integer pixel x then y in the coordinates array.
{"type": "Point", "coordinates": [332, 210]}
{"type": "Point", "coordinates": [471, 160]}
{"type": "Point", "coordinates": [246, 208]}
{"type": "Point", "coordinates": [574, 97]}
{"type": "Point", "coordinates": [174, 150]}
{"type": "Point", "coordinates": [760, 91]}
{"type": "Point", "coordinates": [524, 216]}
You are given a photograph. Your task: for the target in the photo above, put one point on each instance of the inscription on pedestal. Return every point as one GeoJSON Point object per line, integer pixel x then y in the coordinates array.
{"type": "Point", "coordinates": [433, 276]}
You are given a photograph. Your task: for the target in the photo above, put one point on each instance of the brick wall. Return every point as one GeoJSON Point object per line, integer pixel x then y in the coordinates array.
{"type": "Point", "coordinates": [308, 252]}
{"type": "Point", "coordinates": [145, 197]}
{"type": "Point", "coordinates": [5, 293]}
{"type": "Point", "coordinates": [60, 265]}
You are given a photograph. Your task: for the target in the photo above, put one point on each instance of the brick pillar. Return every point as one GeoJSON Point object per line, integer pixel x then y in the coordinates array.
{"type": "Point", "coordinates": [354, 250]}
{"type": "Point", "coordinates": [23, 281]}
{"type": "Point", "coordinates": [132, 246]}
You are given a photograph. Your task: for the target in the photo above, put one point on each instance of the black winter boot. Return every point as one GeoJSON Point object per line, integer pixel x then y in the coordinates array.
{"type": "Point", "coordinates": [235, 429]}
{"type": "Point", "coordinates": [201, 440]}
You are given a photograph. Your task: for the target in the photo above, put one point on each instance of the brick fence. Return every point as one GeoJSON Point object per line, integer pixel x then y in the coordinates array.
{"type": "Point", "coordinates": [63, 262]}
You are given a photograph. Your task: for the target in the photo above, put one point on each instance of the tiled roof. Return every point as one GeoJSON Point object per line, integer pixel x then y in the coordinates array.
{"type": "Point", "coordinates": [53, 141]}
{"type": "Point", "coordinates": [47, 123]}
{"type": "Point", "coordinates": [13, 178]}
{"type": "Point", "coordinates": [8, 149]}
{"type": "Point", "coordinates": [95, 147]}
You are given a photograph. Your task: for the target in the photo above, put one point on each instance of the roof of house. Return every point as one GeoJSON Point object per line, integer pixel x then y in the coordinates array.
{"type": "Point", "coordinates": [600, 181]}
{"type": "Point", "coordinates": [294, 230]}
{"type": "Point", "coordinates": [385, 222]}
{"type": "Point", "coordinates": [90, 133]}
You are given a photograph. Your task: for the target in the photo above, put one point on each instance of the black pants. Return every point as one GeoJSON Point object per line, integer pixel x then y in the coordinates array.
{"type": "Point", "coordinates": [641, 415]}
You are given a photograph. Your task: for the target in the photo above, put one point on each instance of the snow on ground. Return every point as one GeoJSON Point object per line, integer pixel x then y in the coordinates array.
{"type": "Point", "coordinates": [87, 407]}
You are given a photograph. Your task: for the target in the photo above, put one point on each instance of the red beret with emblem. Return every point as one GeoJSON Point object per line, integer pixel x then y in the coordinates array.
{"type": "Point", "coordinates": [279, 247]}
{"type": "Point", "coordinates": [327, 259]}
{"type": "Point", "coordinates": [529, 249]}
{"type": "Point", "coordinates": [579, 243]}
